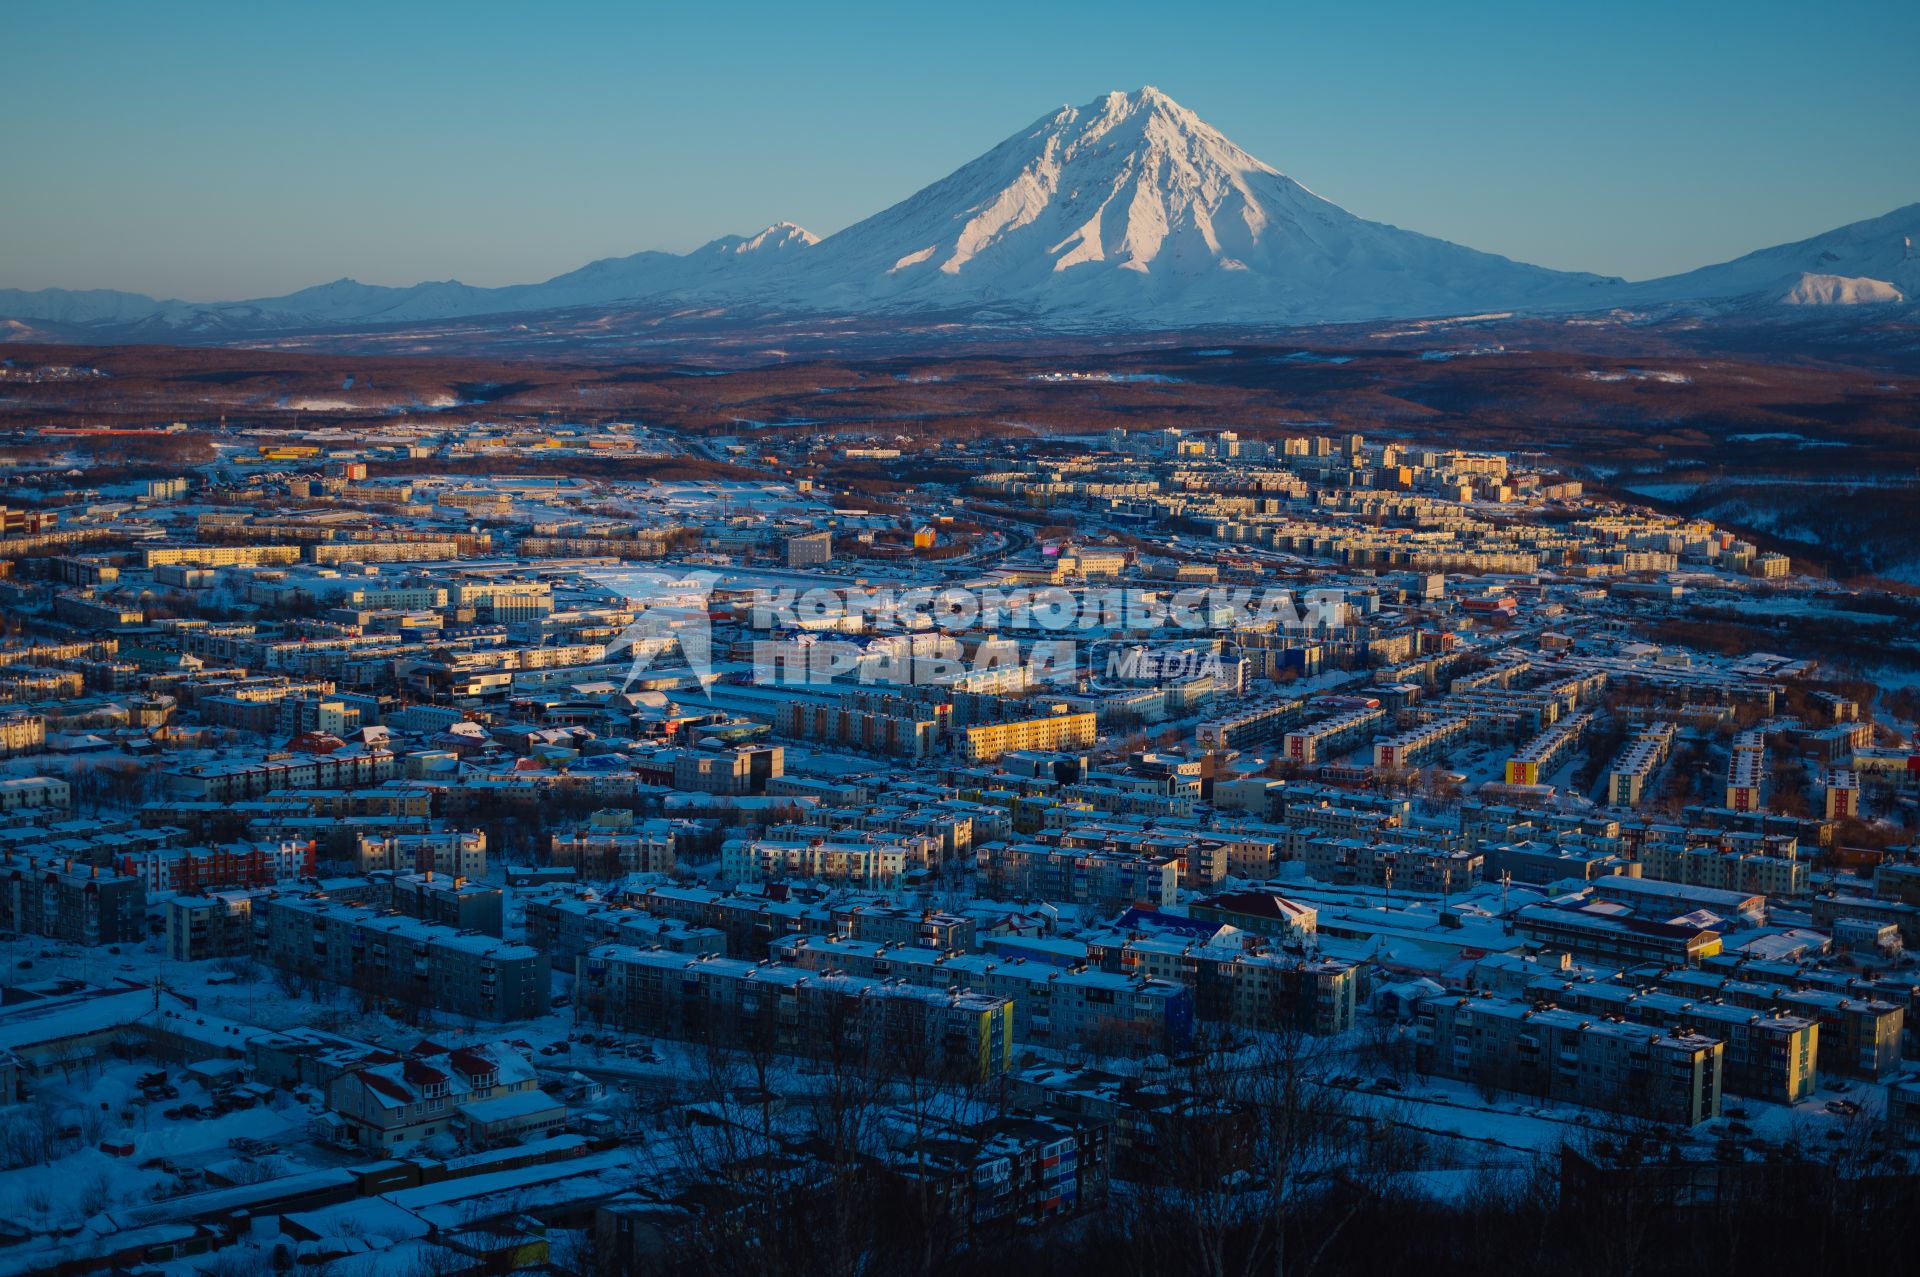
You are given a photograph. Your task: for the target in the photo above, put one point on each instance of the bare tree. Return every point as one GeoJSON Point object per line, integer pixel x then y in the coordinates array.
{"type": "Point", "coordinates": [1247, 1145]}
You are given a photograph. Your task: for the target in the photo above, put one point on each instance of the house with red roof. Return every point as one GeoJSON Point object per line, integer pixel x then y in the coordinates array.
{"type": "Point", "coordinates": [480, 1096]}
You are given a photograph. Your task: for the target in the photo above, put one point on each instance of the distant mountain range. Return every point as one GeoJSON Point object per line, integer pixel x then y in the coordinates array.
{"type": "Point", "coordinates": [1128, 212]}
{"type": "Point", "coordinates": [1865, 263]}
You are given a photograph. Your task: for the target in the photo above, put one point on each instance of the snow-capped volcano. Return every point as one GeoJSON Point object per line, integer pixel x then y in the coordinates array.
{"type": "Point", "coordinates": [1129, 211]}
{"type": "Point", "coordinates": [1132, 206]}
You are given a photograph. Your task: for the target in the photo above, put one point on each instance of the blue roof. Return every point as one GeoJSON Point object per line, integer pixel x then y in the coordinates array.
{"type": "Point", "coordinates": [1137, 919]}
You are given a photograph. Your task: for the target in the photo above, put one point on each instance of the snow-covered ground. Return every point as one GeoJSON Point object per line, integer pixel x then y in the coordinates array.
{"type": "Point", "coordinates": [101, 1102]}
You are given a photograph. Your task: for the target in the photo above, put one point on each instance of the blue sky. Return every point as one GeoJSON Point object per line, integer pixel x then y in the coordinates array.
{"type": "Point", "coordinates": [214, 151]}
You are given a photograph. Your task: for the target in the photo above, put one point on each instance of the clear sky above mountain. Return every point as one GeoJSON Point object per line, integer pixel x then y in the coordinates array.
{"type": "Point", "coordinates": [233, 150]}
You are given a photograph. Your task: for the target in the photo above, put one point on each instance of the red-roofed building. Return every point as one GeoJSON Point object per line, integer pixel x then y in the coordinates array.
{"type": "Point", "coordinates": [392, 1102]}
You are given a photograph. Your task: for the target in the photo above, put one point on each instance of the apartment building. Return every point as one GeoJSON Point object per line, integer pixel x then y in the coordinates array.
{"type": "Point", "coordinates": [794, 1011]}
{"type": "Point", "coordinates": [641, 544]}
{"type": "Point", "coordinates": [564, 924]}
{"type": "Point", "coordinates": [600, 854]}
{"type": "Point", "coordinates": [1345, 816]}
{"type": "Point", "coordinates": [58, 897]}
{"type": "Point", "coordinates": [241, 779]}
{"type": "Point", "coordinates": [20, 686]}
{"type": "Point", "coordinates": [22, 734]}
{"type": "Point", "coordinates": [18, 793]}
{"type": "Point", "coordinates": [1726, 862]}
{"type": "Point", "coordinates": [1746, 771]}
{"type": "Point", "coordinates": [1248, 985]}
{"type": "Point", "coordinates": [1063, 1006]}
{"type": "Point", "coordinates": [872, 865]}
{"type": "Point", "coordinates": [1897, 880]}
{"type": "Point", "coordinates": [1016, 1168]}
{"type": "Point", "coordinates": [1333, 736]}
{"type": "Point", "coordinates": [1553, 1054]}
{"type": "Point", "coordinates": [809, 549]}
{"type": "Point", "coordinates": [451, 853]}
{"type": "Point", "coordinates": [750, 921]}
{"type": "Point", "coordinates": [742, 770]}
{"type": "Point", "coordinates": [421, 551]}
{"type": "Point", "coordinates": [220, 556]}
{"type": "Point", "coordinates": [1860, 1036]}
{"type": "Point", "coordinates": [1842, 800]}
{"type": "Point", "coordinates": [1409, 866]}
{"type": "Point", "coordinates": [1633, 768]}
{"type": "Point", "coordinates": [1768, 1056]}
{"type": "Point", "coordinates": [216, 925]}
{"type": "Point", "coordinates": [1903, 1110]}
{"type": "Point", "coordinates": [890, 924]}
{"type": "Point", "coordinates": [450, 900]}
{"type": "Point", "coordinates": [1419, 743]}
{"type": "Point", "coordinates": [235, 865]}
{"type": "Point", "coordinates": [1106, 880]}
{"type": "Point", "coordinates": [893, 726]}
{"type": "Point", "coordinates": [1829, 911]}
{"type": "Point", "coordinates": [984, 742]}
{"type": "Point", "coordinates": [503, 601]}
{"type": "Point", "coordinates": [1251, 725]}
{"type": "Point", "coordinates": [1542, 754]}
{"type": "Point", "coordinates": [933, 834]}
{"type": "Point", "coordinates": [389, 955]}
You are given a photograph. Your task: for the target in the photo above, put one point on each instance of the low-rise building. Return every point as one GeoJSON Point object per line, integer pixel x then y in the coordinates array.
{"type": "Point", "coordinates": [478, 1096]}
{"type": "Point", "coordinates": [1603, 937]}
{"type": "Point", "coordinates": [1260, 912]}
{"type": "Point", "coordinates": [18, 793]}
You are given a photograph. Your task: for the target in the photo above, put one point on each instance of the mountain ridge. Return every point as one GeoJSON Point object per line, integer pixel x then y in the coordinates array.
{"type": "Point", "coordinates": [1129, 210]}
{"type": "Point", "coordinates": [1873, 251]}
